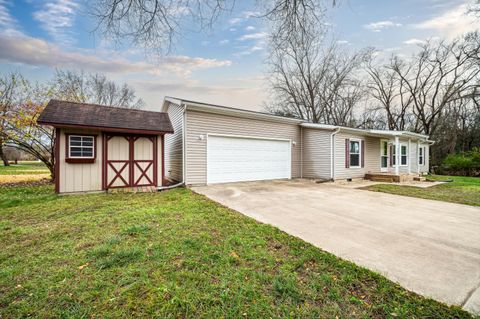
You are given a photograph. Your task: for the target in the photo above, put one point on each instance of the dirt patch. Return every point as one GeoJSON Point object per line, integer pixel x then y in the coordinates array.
{"type": "Point", "coordinates": [14, 182]}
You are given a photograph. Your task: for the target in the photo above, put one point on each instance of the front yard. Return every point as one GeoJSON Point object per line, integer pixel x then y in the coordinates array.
{"type": "Point", "coordinates": [175, 254]}
{"type": "Point", "coordinates": [462, 190]}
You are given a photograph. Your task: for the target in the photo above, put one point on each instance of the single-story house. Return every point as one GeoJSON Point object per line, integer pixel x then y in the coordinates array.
{"type": "Point", "coordinates": [98, 148]}
{"type": "Point", "coordinates": [218, 144]}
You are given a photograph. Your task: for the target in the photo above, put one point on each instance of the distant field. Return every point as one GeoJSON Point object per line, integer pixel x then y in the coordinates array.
{"type": "Point", "coordinates": [23, 172]}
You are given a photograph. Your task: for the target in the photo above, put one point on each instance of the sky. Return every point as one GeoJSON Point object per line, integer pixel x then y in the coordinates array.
{"type": "Point", "coordinates": [225, 65]}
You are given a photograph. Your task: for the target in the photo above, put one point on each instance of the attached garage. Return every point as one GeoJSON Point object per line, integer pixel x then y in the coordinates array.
{"type": "Point", "coordinates": [220, 144]}
{"type": "Point", "coordinates": [237, 158]}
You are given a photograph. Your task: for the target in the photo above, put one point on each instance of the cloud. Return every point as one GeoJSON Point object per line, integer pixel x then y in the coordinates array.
{"type": "Point", "coordinates": [56, 17]}
{"type": "Point", "coordinates": [381, 25]}
{"type": "Point", "coordinates": [249, 28]}
{"type": "Point", "coordinates": [235, 21]}
{"type": "Point", "coordinates": [223, 42]}
{"type": "Point", "coordinates": [452, 23]}
{"type": "Point", "coordinates": [250, 50]}
{"type": "Point", "coordinates": [343, 42]}
{"type": "Point", "coordinates": [253, 36]}
{"type": "Point", "coordinates": [8, 24]}
{"type": "Point", "coordinates": [414, 41]}
{"type": "Point", "coordinates": [37, 52]}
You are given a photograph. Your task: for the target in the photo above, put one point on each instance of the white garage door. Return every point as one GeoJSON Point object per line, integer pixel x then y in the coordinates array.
{"type": "Point", "coordinates": [235, 159]}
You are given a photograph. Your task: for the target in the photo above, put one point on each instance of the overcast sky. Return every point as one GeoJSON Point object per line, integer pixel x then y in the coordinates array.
{"type": "Point", "coordinates": [224, 66]}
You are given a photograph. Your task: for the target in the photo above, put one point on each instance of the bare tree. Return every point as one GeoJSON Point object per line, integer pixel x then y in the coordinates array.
{"type": "Point", "coordinates": [155, 24]}
{"type": "Point", "coordinates": [389, 91]}
{"type": "Point", "coordinates": [312, 78]}
{"type": "Point", "coordinates": [12, 90]}
{"type": "Point", "coordinates": [440, 74]}
{"type": "Point", "coordinates": [26, 101]}
{"type": "Point", "coordinates": [76, 86]}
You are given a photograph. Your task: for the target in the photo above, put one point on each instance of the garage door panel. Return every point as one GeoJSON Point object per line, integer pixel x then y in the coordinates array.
{"type": "Point", "coordinates": [232, 159]}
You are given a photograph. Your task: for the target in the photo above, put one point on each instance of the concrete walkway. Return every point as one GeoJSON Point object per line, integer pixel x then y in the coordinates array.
{"type": "Point", "coordinates": [429, 247]}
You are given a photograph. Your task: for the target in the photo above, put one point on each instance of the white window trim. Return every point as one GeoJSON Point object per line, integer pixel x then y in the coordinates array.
{"type": "Point", "coordinates": [82, 136]}
{"type": "Point", "coordinates": [394, 155]}
{"type": "Point", "coordinates": [359, 153]}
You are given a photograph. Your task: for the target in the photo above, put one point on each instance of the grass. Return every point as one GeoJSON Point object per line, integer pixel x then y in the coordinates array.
{"type": "Point", "coordinates": [22, 168]}
{"type": "Point", "coordinates": [23, 172]}
{"type": "Point", "coordinates": [463, 190]}
{"type": "Point", "coordinates": [175, 254]}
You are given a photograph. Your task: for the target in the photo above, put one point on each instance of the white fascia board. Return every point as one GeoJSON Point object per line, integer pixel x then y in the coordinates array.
{"type": "Point", "coordinates": [239, 113]}
{"type": "Point", "coordinates": [319, 126]}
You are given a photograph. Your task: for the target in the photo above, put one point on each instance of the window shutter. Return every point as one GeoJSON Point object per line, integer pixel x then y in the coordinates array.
{"type": "Point", "coordinates": [391, 155]}
{"type": "Point", "coordinates": [347, 153]}
{"type": "Point", "coordinates": [362, 151]}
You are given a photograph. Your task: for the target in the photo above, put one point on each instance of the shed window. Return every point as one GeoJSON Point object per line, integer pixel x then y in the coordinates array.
{"type": "Point", "coordinates": [421, 156]}
{"type": "Point", "coordinates": [354, 153]}
{"type": "Point", "coordinates": [81, 146]}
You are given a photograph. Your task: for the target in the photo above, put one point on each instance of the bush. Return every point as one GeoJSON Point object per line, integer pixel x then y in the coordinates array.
{"type": "Point", "coordinates": [464, 164]}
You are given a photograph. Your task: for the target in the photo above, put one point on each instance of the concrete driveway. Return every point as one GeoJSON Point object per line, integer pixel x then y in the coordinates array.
{"type": "Point", "coordinates": [430, 247]}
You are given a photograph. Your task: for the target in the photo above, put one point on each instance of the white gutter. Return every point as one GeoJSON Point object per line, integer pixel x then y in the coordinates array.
{"type": "Point", "coordinates": [332, 157]}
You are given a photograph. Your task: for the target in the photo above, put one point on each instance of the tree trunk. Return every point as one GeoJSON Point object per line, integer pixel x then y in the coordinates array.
{"type": "Point", "coordinates": [2, 155]}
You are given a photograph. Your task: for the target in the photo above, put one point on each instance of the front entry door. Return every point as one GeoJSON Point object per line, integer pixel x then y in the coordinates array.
{"type": "Point", "coordinates": [130, 161]}
{"type": "Point", "coordinates": [383, 156]}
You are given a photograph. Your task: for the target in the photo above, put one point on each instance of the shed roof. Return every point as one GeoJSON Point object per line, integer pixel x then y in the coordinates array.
{"type": "Point", "coordinates": [72, 114]}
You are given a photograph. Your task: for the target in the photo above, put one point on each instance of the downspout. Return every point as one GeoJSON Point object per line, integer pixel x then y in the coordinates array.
{"type": "Point", "coordinates": [301, 151]}
{"type": "Point", "coordinates": [183, 155]}
{"type": "Point", "coordinates": [332, 157]}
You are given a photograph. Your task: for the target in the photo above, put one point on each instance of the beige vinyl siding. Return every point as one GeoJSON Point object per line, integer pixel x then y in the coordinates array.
{"type": "Point", "coordinates": [425, 168]}
{"type": "Point", "coordinates": [203, 123]}
{"type": "Point", "coordinates": [316, 153]}
{"type": "Point", "coordinates": [173, 144]}
{"type": "Point", "coordinates": [80, 177]}
{"type": "Point", "coordinates": [371, 153]}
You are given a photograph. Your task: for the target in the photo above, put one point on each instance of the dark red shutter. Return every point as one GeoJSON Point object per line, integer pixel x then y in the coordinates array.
{"type": "Point", "coordinates": [391, 155]}
{"type": "Point", "coordinates": [362, 151]}
{"type": "Point", "coordinates": [347, 153]}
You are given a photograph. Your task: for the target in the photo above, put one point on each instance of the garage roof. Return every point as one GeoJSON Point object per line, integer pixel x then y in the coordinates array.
{"type": "Point", "coordinates": [72, 114]}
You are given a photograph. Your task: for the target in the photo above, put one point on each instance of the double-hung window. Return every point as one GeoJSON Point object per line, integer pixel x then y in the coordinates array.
{"type": "Point", "coordinates": [420, 156]}
{"type": "Point", "coordinates": [403, 155]}
{"type": "Point", "coordinates": [81, 146]}
{"type": "Point", "coordinates": [355, 153]}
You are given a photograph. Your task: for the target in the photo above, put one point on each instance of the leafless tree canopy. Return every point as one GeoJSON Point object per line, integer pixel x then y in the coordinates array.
{"type": "Point", "coordinates": [155, 24]}
{"type": "Point", "coordinates": [93, 88]}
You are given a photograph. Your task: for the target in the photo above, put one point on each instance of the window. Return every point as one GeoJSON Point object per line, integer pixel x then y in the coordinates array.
{"type": "Point", "coordinates": [384, 154]}
{"type": "Point", "coordinates": [354, 153]}
{"type": "Point", "coordinates": [403, 155]}
{"type": "Point", "coordinates": [81, 146]}
{"type": "Point", "coordinates": [420, 156]}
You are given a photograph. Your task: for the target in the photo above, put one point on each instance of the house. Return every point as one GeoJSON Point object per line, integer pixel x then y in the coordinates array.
{"type": "Point", "coordinates": [218, 144]}
{"type": "Point", "coordinates": [99, 147]}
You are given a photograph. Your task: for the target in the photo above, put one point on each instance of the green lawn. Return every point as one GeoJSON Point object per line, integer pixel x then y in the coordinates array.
{"type": "Point", "coordinates": [24, 168]}
{"type": "Point", "coordinates": [175, 254]}
{"type": "Point", "coordinates": [463, 190]}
